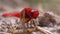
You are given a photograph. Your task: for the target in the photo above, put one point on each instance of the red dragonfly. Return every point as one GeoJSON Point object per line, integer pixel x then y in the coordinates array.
{"type": "Point", "coordinates": [27, 12]}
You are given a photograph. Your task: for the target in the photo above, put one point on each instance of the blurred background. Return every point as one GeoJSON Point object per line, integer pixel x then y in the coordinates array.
{"type": "Point", "coordinates": [47, 5]}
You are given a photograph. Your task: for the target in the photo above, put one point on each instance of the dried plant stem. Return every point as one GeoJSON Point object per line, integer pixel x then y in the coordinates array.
{"type": "Point", "coordinates": [43, 30]}
{"type": "Point", "coordinates": [32, 30]}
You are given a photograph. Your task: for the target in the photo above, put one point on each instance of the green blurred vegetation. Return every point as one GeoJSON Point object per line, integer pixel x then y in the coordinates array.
{"type": "Point", "coordinates": [57, 1]}
{"type": "Point", "coordinates": [51, 5]}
